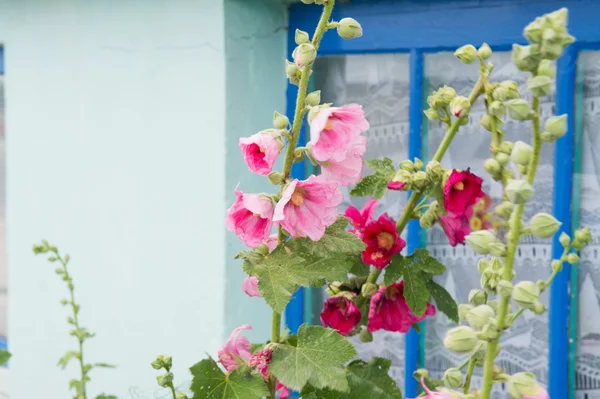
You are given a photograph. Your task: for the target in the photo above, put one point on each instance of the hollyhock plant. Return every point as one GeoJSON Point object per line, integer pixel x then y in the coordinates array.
{"type": "Point", "coordinates": [250, 286]}
{"type": "Point", "coordinates": [389, 311]}
{"type": "Point", "coordinates": [333, 131]}
{"type": "Point", "coordinates": [382, 241]}
{"type": "Point", "coordinates": [260, 360]}
{"type": "Point", "coordinates": [236, 350]}
{"type": "Point", "coordinates": [461, 191]}
{"type": "Point", "coordinates": [360, 219]}
{"type": "Point", "coordinates": [341, 314]}
{"type": "Point", "coordinates": [348, 170]}
{"type": "Point", "coordinates": [456, 227]}
{"type": "Point", "coordinates": [250, 218]}
{"type": "Point", "coordinates": [260, 152]}
{"type": "Point", "coordinates": [308, 207]}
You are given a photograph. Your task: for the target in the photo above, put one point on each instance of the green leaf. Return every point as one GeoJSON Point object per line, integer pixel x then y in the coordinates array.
{"type": "Point", "coordinates": [395, 270]}
{"type": "Point", "coordinates": [427, 263]}
{"type": "Point", "coordinates": [210, 382]}
{"type": "Point", "coordinates": [368, 186]}
{"type": "Point", "coordinates": [383, 167]}
{"type": "Point", "coordinates": [415, 290]}
{"type": "Point", "coordinates": [103, 396]}
{"type": "Point", "coordinates": [251, 258]}
{"type": "Point", "coordinates": [64, 361]}
{"type": "Point", "coordinates": [336, 240]}
{"type": "Point", "coordinates": [420, 260]}
{"type": "Point", "coordinates": [4, 356]}
{"type": "Point", "coordinates": [105, 365]}
{"type": "Point", "coordinates": [366, 380]}
{"type": "Point", "coordinates": [443, 300]}
{"type": "Point", "coordinates": [359, 268]}
{"type": "Point", "coordinates": [317, 359]}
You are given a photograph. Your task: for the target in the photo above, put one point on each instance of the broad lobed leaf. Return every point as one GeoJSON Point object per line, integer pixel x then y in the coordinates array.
{"type": "Point", "coordinates": [210, 382]}
{"type": "Point", "coordinates": [336, 240]}
{"type": "Point", "coordinates": [370, 186]}
{"type": "Point", "coordinates": [443, 300]}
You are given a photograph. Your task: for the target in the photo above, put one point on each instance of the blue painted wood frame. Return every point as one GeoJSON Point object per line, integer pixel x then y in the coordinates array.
{"type": "Point", "coordinates": [1, 61]}
{"type": "Point", "coordinates": [428, 26]}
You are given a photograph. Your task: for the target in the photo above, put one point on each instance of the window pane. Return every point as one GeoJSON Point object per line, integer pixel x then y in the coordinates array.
{"type": "Point", "coordinates": [380, 84]}
{"type": "Point", "coordinates": [525, 345]}
{"type": "Point", "coordinates": [588, 127]}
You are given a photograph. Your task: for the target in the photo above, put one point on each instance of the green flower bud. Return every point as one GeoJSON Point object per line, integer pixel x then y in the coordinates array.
{"type": "Point", "coordinates": [533, 31]}
{"type": "Point", "coordinates": [480, 240]}
{"type": "Point", "coordinates": [432, 114]}
{"type": "Point", "coordinates": [420, 179]}
{"type": "Point", "coordinates": [460, 106]}
{"type": "Point", "coordinates": [482, 265]}
{"type": "Point", "coordinates": [556, 265]}
{"type": "Point", "coordinates": [572, 258]}
{"type": "Point", "coordinates": [460, 339]}
{"type": "Point", "coordinates": [301, 37]}
{"type": "Point", "coordinates": [556, 126]}
{"type": "Point", "coordinates": [165, 380]}
{"type": "Point", "coordinates": [366, 336]}
{"type": "Point", "coordinates": [526, 294]}
{"type": "Point", "coordinates": [157, 364]}
{"type": "Point", "coordinates": [275, 178]}
{"type": "Point", "coordinates": [313, 98]}
{"type": "Point", "coordinates": [552, 50]}
{"type": "Point", "coordinates": [512, 89]}
{"type": "Point", "coordinates": [492, 166]}
{"type": "Point", "coordinates": [418, 164]}
{"type": "Point", "coordinates": [304, 55]}
{"type": "Point", "coordinates": [421, 373]}
{"type": "Point", "coordinates": [368, 290]}
{"type": "Point", "coordinates": [349, 28]}
{"type": "Point", "coordinates": [479, 316]}
{"type": "Point", "coordinates": [547, 68]}
{"type": "Point", "coordinates": [484, 52]}
{"type": "Point", "coordinates": [504, 288]}
{"type": "Point", "coordinates": [558, 18]}
{"type": "Point", "coordinates": [293, 72]}
{"type": "Point", "coordinates": [564, 239]}
{"type": "Point", "coordinates": [453, 378]}
{"type": "Point", "coordinates": [539, 308]}
{"type": "Point", "coordinates": [504, 209]}
{"type": "Point", "coordinates": [463, 311]}
{"type": "Point", "coordinates": [498, 109]}
{"type": "Point", "coordinates": [477, 297]}
{"type": "Point", "coordinates": [280, 121]}
{"type": "Point", "coordinates": [523, 384]}
{"type": "Point", "coordinates": [427, 220]}
{"type": "Point", "coordinates": [466, 54]}
{"type": "Point", "coordinates": [518, 191]}
{"type": "Point", "coordinates": [522, 169]}
{"type": "Point", "coordinates": [403, 176]}
{"type": "Point", "coordinates": [583, 237]}
{"type": "Point", "coordinates": [493, 304]}
{"type": "Point", "coordinates": [526, 58]}
{"type": "Point", "coordinates": [518, 109]}
{"type": "Point", "coordinates": [446, 94]}
{"type": "Point", "coordinates": [334, 288]}
{"type": "Point", "coordinates": [407, 165]}
{"type": "Point", "coordinates": [506, 147]}
{"type": "Point", "coordinates": [544, 225]}
{"type": "Point", "coordinates": [167, 362]}
{"type": "Point", "coordinates": [500, 94]}
{"type": "Point", "coordinates": [486, 122]}
{"type": "Point", "coordinates": [181, 395]}
{"type": "Point", "coordinates": [497, 249]}
{"type": "Point", "coordinates": [489, 332]}
{"type": "Point", "coordinates": [502, 158]}
{"type": "Point", "coordinates": [540, 86]}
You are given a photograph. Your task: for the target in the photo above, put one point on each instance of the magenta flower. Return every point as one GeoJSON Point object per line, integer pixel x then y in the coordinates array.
{"type": "Point", "coordinates": [382, 241]}
{"type": "Point", "coordinates": [285, 392]}
{"type": "Point", "coordinates": [395, 185]}
{"type": "Point", "coordinates": [260, 152]}
{"type": "Point", "coordinates": [461, 191]}
{"type": "Point", "coordinates": [341, 314]}
{"type": "Point", "coordinates": [433, 394]}
{"type": "Point", "coordinates": [389, 311]}
{"type": "Point", "coordinates": [260, 360]}
{"type": "Point", "coordinates": [250, 218]}
{"type": "Point", "coordinates": [250, 286]}
{"type": "Point", "coordinates": [333, 131]}
{"type": "Point", "coordinates": [359, 219]}
{"type": "Point", "coordinates": [308, 207]}
{"type": "Point", "coordinates": [456, 227]}
{"type": "Point", "coordinates": [236, 350]}
{"type": "Point", "coordinates": [348, 170]}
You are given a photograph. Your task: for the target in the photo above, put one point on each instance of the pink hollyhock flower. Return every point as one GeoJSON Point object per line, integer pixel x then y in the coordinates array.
{"type": "Point", "coordinates": [433, 394]}
{"type": "Point", "coordinates": [461, 191]}
{"type": "Point", "coordinates": [250, 218]}
{"type": "Point", "coordinates": [395, 185]}
{"type": "Point", "coordinates": [272, 242]}
{"type": "Point", "coordinates": [260, 152]}
{"type": "Point", "coordinates": [261, 361]}
{"type": "Point", "coordinates": [333, 131]}
{"type": "Point", "coordinates": [236, 350]}
{"type": "Point", "coordinates": [348, 170]}
{"type": "Point", "coordinates": [359, 219]}
{"type": "Point", "coordinates": [456, 227]}
{"type": "Point", "coordinates": [542, 394]}
{"type": "Point", "coordinates": [389, 311]}
{"type": "Point", "coordinates": [382, 241]}
{"type": "Point", "coordinates": [250, 286]}
{"type": "Point", "coordinates": [285, 392]}
{"type": "Point", "coordinates": [341, 314]}
{"type": "Point", "coordinates": [308, 207]}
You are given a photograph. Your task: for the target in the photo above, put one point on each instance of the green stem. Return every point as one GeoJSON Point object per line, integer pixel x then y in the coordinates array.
{"type": "Point", "coordinates": [515, 228]}
{"type": "Point", "coordinates": [470, 369]}
{"type": "Point", "coordinates": [173, 391]}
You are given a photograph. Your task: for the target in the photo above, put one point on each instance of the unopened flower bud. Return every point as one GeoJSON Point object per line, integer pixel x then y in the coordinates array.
{"type": "Point", "coordinates": [304, 55]}
{"type": "Point", "coordinates": [280, 121]}
{"type": "Point", "coordinates": [518, 109]}
{"type": "Point", "coordinates": [552, 50]}
{"type": "Point", "coordinates": [506, 147]}
{"type": "Point", "coordinates": [420, 179]}
{"type": "Point", "coordinates": [484, 51]}
{"type": "Point", "coordinates": [504, 288]}
{"type": "Point", "coordinates": [165, 380]}
{"type": "Point", "coordinates": [492, 166]}
{"type": "Point", "coordinates": [524, 385]}
{"type": "Point", "coordinates": [349, 28]}
{"type": "Point", "coordinates": [366, 336]}
{"type": "Point", "coordinates": [512, 89]}
{"type": "Point", "coordinates": [497, 249]}
{"type": "Point", "coordinates": [407, 165]}
{"type": "Point", "coordinates": [486, 122]}
{"type": "Point", "coordinates": [418, 164]}
{"type": "Point", "coordinates": [460, 106]}
{"type": "Point", "coordinates": [493, 304]}
{"type": "Point", "coordinates": [157, 364]}
{"type": "Point", "coordinates": [502, 158]}
{"type": "Point", "coordinates": [504, 209]}
{"type": "Point", "coordinates": [498, 109]}
{"type": "Point", "coordinates": [453, 378]}
{"type": "Point", "coordinates": [181, 395]}
{"type": "Point", "coordinates": [489, 332]}
{"type": "Point", "coordinates": [477, 297]}
{"type": "Point", "coordinates": [572, 258]}
{"type": "Point", "coordinates": [547, 68]}
{"type": "Point", "coordinates": [434, 170]}
{"type": "Point", "coordinates": [421, 373]}
{"type": "Point", "coordinates": [467, 54]}
{"type": "Point", "coordinates": [403, 176]}
{"type": "Point", "coordinates": [480, 240]}
{"type": "Point", "coordinates": [500, 94]}
{"type": "Point", "coordinates": [539, 308]}
{"type": "Point", "coordinates": [558, 18]}
{"type": "Point", "coordinates": [446, 94]}
{"type": "Point", "coordinates": [556, 126]}
{"type": "Point", "coordinates": [540, 86]}
{"type": "Point", "coordinates": [293, 72]}
{"type": "Point", "coordinates": [313, 98]}
{"type": "Point", "coordinates": [526, 294]}
{"type": "Point", "coordinates": [301, 37]}
{"type": "Point", "coordinates": [556, 265]}
{"type": "Point", "coordinates": [482, 265]}
{"type": "Point", "coordinates": [544, 225]}
{"type": "Point", "coordinates": [583, 237]}
{"type": "Point", "coordinates": [518, 191]}
{"type": "Point", "coordinates": [432, 114]}
{"type": "Point", "coordinates": [479, 316]}
{"type": "Point", "coordinates": [368, 289]}
{"type": "Point", "coordinates": [275, 178]}
{"type": "Point", "coordinates": [533, 31]}
{"type": "Point", "coordinates": [526, 58]}
{"type": "Point", "coordinates": [522, 169]}
{"type": "Point", "coordinates": [564, 239]}
{"type": "Point", "coordinates": [334, 288]}
{"type": "Point", "coordinates": [167, 362]}
{"type": "Point", "coordinates": [463, 311]}
{"type": "Point", "coordinates": [521, 153]}
{"type": "Point", "coordinates": [460, 339]}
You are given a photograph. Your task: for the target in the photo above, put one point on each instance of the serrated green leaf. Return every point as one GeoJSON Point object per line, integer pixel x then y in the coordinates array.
{"type": "Point", "coordinates": [251, 259]}
{"type": "Point", "coordinates": [380, 190]}
{"type": "Point", "coordinates": [317, 359]}
{"type": "Point", "coordinates": [4, 356]}
{"type": "Point", "coordinates": [64, 361]}
{"type": "Point", "coordinates": [359, 268]}
{"type": "Point", "coordinates": [383, 167]}
{"type": "Point", "coordinates": [366, 380]}
{"type": "Point", "coordinates": [415, 290]}
{"type": "Point", "coordinates": [368, 186]}
{"type": "Point", "coordinates": [420, 260]}
{"type": "Point", "coordinates": [427, 263]}
{"type": "Point", "coordinates": [395, 270]}
{"type": "Point", "coordinates": [336, 240]}
{"type": "Point", "coordinates": [443, 300]}
{"type": "Point", "coordinates": [311, 395]}
{"type": "Point", "coordinates": [210, 382]}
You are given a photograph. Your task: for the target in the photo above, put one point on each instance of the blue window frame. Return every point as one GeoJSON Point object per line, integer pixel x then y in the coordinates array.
{"type": "Point", "coordinates": [428, 26]}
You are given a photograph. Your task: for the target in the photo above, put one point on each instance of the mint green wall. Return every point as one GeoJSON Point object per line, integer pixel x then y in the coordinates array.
{"type": "Point", "coordinates": [255, 42]}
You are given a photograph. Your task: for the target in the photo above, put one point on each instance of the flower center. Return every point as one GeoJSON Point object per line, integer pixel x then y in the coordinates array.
{"type": "Point", "coordinates": [260, 149]}
{"type": "Point", "coordinates": [298, 196]}
{"type": "Point", "coordinates": [256, 215]}
{"type": "Point", "coordinates": [459, 186]}
{"type": "Point", "coordinates": [385, 240]}
{"type": "Point", "coordinates": [376, 255]}
{"type": "Point", "coordinates": [329, 125]}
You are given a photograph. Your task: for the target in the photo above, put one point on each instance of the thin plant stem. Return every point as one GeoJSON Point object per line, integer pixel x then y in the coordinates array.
{"type": "Point", "coordinates": [470, 369]}
{"type": "Point", "coordinates": [173, 391]}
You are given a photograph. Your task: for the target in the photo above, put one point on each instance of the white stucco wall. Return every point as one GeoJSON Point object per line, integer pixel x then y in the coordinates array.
{"type": "Point", "coordinates": [115, 152]}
